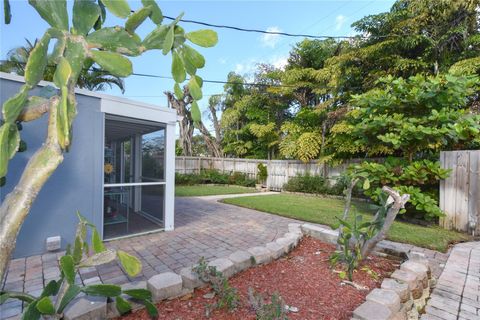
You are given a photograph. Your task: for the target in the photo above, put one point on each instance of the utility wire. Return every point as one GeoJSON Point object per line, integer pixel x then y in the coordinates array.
{"type": "Point", "coordinates": [252, 84]}
{"type": "Point", "coordinates": [287, 34]}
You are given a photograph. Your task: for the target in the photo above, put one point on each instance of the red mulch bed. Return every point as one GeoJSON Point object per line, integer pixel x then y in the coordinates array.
{"type": "Point", "coordinates": [303, 279]}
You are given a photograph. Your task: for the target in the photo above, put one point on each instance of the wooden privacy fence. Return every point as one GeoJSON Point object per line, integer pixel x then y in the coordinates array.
{"type": "Point", "coordinates": [279, 171]}
{"type": "Point", "coordinates": [460, 192]}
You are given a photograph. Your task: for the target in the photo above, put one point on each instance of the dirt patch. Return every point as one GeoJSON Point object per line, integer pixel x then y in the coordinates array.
{"type": "Point", "coordinates": [303, 279]}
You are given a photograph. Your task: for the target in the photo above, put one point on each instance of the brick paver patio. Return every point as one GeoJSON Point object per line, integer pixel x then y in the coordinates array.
{"type": "Point", "coordinates": [457, 293]}
{"type": "Point", "coordinates": [203, 227]}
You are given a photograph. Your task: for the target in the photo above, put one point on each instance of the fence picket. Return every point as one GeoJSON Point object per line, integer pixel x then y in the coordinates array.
{"type": "Point", "coordinates": [279, 171]}
{"type": "Point", "coordinates": [460, 192]}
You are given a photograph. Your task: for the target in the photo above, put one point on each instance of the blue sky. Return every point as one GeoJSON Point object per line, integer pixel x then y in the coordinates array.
{"type": "Point", "coordinates": [236, 51]}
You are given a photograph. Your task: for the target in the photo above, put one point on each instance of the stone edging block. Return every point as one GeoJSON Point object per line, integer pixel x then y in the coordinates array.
{"type": "Point", "coordinates": [260, 254]}
{"type": "Point", "coordinates": [322, 233]}
{"type": "Point", "coordinates": [86, 307]}
{"type": "Point", "coordinates": [190, 279]}
{"type": "Point", "coordinates": [165, 285]}
{"type": "Point", "coordinates": [224, 265]}
{"type": "Point", "coordinates": [401, 295]}
{"type": "Point", "coordinates": [276, 249]}
{"type": "Point", "coordinates": [241, 260]}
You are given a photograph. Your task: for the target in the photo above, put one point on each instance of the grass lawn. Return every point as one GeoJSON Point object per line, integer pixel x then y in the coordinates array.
{"type": "Point", "coordinates": [323, 211]}
{"type": "Point", "coordinates": [210, 190]}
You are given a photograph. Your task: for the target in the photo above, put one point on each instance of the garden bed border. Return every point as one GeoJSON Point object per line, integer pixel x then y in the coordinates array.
{"type": "Point", "coordinates": [402, 296]}
{"type": "Point", "coordinates": [399, 296]}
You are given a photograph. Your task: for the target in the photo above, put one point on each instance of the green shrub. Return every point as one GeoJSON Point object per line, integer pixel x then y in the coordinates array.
{"type": "Point", "coordinates": [313, 184]}
{"type": "Point", "coordinates": [262, 173]}
{"type": "Point", "coordinates": [211, 176]}
{"type": "Point", "coordinates": [214, 176]}
{"type": "Point", "coordinates": [418, 178]}
{"type": "Point", "coordinates": [241, 179]}
{"type": "Point", "coordinates": [187, 179]}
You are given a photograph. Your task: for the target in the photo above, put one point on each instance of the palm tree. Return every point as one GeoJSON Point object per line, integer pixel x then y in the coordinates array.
{"type": "Point", "coordinates": [17, 59]}
{"type": "Point", "coordinates": [95, 79]}
{"type": "Point", "coordinates": [91, 77]}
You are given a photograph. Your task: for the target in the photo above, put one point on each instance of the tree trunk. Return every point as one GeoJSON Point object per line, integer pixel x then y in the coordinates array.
{"type": "Point", "coordinates": [398, 203]}
{"type": "Point", "coordinates": [186, 123]}
{"type": "Point", "coordinates": [216, 125]}
{"type": "Point", "coordinates": [17, 203]}
{"type": "Point", "coordinates": [213, 147]}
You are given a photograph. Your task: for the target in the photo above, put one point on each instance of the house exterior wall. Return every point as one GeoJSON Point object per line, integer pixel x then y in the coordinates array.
{"type": "Point", "coordinates": [75, 185]}
{"type": "Point", "coordinates": [78, 182]}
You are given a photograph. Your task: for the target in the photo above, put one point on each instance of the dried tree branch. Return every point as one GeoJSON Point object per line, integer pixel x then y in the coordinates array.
{"type": "Point", "coordinates": [399, 202]}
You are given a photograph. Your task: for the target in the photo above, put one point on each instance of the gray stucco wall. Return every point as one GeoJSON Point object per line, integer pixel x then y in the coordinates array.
{"type": "Point", "coordinates": [75, 185]}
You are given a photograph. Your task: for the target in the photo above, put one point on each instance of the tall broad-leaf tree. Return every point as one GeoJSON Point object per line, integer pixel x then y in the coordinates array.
{"type": "Point", "coordinates": [408, 121]}
{"type": "Point", "coordinates": [252, 116]}
{"type": "Point", "coordinates": [415, 36]}
{"type": "Point", "coordinates": [306, 81]}
{"type": "Point", "coordinates": [74, 41]}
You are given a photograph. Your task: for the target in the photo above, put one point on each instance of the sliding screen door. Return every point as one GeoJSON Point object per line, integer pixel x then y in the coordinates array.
{"type": "Point", "coordinates": [134, 176]}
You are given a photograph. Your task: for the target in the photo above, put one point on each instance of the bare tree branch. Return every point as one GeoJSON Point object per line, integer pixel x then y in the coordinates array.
{"type": "Point", "coordinates": [399, 202]}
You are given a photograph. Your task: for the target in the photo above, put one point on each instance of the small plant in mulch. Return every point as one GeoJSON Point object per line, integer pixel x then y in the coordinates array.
{"type": "Point", "coordinates": [275, 310]}
{"type": "Point", "coordinates": [227, 295]}
{"type": "Point", "coordinates": [357, 238]}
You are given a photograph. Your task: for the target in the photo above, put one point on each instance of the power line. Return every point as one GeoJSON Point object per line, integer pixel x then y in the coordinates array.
{"type": "Point", "coordinates": [280, 33]}
{"type": "Point", "coordinates": [252, 84]}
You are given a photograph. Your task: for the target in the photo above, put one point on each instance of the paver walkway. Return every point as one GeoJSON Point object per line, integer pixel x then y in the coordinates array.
{"type": "Point", "coordinates": [203, 227]}
{"type": "Point", "coordinates": [457, 293]}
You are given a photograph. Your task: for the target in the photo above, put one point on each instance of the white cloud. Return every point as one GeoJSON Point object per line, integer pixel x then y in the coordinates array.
{"type": "Point", "coordinates": [271, 40]}
{"type": "Point", "coordinates": [279, 62]}
{"type": "Point", "coordinates": [340, 21]}
{"type": "Point", "coordinates": [222, 60]}
{"type": "Point", "coordinates": [248, 67]}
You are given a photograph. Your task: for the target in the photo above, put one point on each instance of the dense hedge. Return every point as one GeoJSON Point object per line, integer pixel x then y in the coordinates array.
{"type": "Point", "coordinates": [314, 184]}
{"type": "Point", "coordinates": [214, 177]}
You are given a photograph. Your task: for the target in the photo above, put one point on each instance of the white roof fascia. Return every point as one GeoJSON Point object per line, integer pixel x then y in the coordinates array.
{"type": "Point", "coordinates": [116, 105]}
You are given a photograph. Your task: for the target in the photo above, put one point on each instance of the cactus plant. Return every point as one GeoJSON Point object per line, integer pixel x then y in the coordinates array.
{"type": "Point", "coordinates": [77, 44]}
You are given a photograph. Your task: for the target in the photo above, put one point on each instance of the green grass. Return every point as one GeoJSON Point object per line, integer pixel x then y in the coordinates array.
{"type": "Point", "coordinates": [323, 211]}
{"type": "Point", "coordinates": [209, 190]}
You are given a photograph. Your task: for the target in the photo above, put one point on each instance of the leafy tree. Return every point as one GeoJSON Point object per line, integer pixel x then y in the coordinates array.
{"type": "Point", "coordinates": [90, 77]}
{"type": "Point", "coordinates": [421, 36]}
{"type": "Point", "coordinates": [252, 116]}
{"type": "Point", "coordinates": [306, 82]}
{"type": "Point", "coordinates": [409, 117]}
{"type": "Point", "coordinates": [73, 47]}
{"type": "Point", "coordinates": [312, 53]}
{"type": "Point", "coordinates": [411, 120]}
